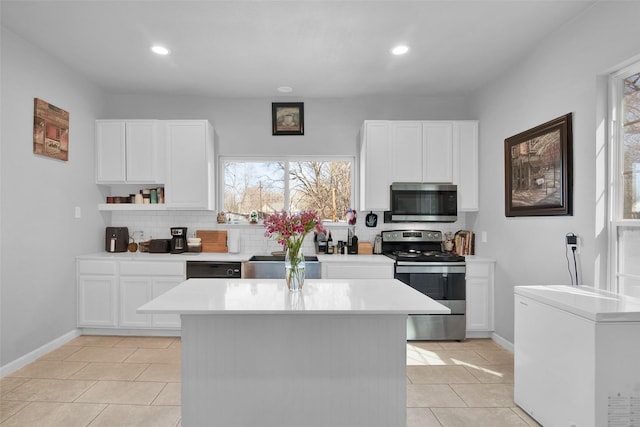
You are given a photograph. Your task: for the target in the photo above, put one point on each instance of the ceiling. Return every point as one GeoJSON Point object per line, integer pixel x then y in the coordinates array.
{"type": "Point", "coordinates": [319, 48]}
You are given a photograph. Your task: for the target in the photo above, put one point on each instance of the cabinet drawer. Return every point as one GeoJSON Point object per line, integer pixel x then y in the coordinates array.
{"type": "Point", "coordinates": [151, 268]}
{"type": "Point", "coordinates": [96, 267]}
{"type": "Point", "coordinates": [476, 269]}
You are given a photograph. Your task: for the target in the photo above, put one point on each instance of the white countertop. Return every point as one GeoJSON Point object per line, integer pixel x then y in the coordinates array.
{"type": "Point", "coordinates": [222, 256]}
{"type": "Point", "coordinates": [270, 296]}
{"type": "Point", "coordinates": [584, 301]}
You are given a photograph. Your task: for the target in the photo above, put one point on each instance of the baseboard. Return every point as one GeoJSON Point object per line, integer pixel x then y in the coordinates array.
{"type": "Point", "coordinates": [131, 332]}
{"type": "Point", "coordinates": [478, 334]}
{"type": "Point", "coordinates": [38, 352]}
{"type": "Point", "coordinates": [507, 345]}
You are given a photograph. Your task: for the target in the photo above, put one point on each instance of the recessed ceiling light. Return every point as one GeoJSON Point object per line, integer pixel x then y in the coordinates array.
{"type": "Point", "coordinates": [160, 50]}
{"type": "Point", "coordinates": [400, 50]}
{"type": "Point", "coordinates": [285, 89]}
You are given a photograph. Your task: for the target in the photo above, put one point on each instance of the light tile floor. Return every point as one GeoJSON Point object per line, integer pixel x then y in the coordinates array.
{"type": "Point", "coordinates": [135, 381]}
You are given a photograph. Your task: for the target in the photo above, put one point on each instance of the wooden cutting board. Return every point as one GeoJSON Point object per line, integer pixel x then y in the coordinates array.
{"type": "Point", "coordinates": [365, 248]}
{"type": "Point", "coordinates": [213, 240]}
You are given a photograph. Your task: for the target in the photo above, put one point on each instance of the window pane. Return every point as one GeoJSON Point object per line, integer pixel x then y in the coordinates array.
{"type": "Point", "coordinates": [631, 146]}
{"type": "Point", "coordinates": [251, 186]}
{"type": "Point", "coordinates": [629, 261]}
{"type": "Point", "coordinates": [321, 186]}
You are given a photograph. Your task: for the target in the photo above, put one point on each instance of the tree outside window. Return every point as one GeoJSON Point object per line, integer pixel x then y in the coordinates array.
{"type": "Point", "coordinates": [271, 186]}
{"type": "Point", "coordinates": [631, 146]}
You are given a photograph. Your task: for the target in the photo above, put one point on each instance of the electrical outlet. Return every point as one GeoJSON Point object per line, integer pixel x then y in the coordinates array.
{"type": "Point", "coordinates": [572, 239]}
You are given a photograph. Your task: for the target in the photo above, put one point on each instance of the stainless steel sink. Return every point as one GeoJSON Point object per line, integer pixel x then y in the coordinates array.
{"type": "Point", "coordinates": [272, 267]}
{"type": "Point", "coordinates": [278, 258]}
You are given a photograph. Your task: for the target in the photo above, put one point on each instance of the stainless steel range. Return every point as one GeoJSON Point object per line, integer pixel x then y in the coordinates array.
{"type": "Point", "coordinates": [421, 264]}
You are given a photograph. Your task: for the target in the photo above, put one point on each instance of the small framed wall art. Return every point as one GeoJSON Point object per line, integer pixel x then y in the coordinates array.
{"type": "Point", "coordinates": [50, 130]}
{"type": "Point", "coordinates": [538, 170]}
{"type": "Point", "coordinates": [287, 118]}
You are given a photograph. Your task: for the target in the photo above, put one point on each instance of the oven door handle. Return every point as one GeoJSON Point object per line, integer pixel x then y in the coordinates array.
{"type": "Point", "coordinates": [445, 285]}
{"type": "Point", "coordinates": [430, 269]}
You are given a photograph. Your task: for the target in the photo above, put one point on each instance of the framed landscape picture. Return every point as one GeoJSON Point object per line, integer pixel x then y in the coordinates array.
{"type": "Point", "coordinates": [539, 170]}
{"type": "Point", "coordinates": [287, 118]}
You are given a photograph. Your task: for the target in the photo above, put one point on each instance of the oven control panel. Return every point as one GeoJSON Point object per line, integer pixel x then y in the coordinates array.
{"type": "Point", "coordinates": [412, 236]}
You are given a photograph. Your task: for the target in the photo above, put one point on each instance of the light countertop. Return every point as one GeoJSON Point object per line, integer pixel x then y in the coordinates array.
{"type": "Point", "coordinates": [223, 256]}
{"type": "Point", "coordinates": [270, 296]}
{"type": "Point", "coordinates": [584, 301]}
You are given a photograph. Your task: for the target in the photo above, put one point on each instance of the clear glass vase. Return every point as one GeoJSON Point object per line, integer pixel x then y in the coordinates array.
{"type": "Point", "coordinates": [294, 270]}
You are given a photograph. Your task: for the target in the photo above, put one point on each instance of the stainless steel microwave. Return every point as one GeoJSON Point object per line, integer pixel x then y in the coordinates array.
{"type": "Point", "coordinates": [423, 202]}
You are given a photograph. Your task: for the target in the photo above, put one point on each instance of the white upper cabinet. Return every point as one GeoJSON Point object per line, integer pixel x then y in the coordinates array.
{"type": "Point", "coordinates": [466, 172]}
{"type": "Point", "coordinates": [190, 165]}
{"type": "Point", "coordinates": [437, 152]}
{"type": "Point", "coordinates": [418, 151]}
{"type": "Point", "coordinates": [375, 171]}
{"type": "Point", "coordinates": [129, 152]}
{"type": "Point", "coordinates": [406, 151]}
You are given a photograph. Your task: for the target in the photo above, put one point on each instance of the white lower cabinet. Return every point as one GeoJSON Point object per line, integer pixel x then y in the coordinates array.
{"type": "Point", "coordinates": [97, 293]}
{"type": "Point", "coordinates": [134, 291]}
{"type": "Point", "coordinates": [480, 288]}
{"type": "Point", "coordinates": [111, 300]}
{"type": "Point", "coordinates": [159, 286]}
{"type": "Point", "coordinates": [356, 270]}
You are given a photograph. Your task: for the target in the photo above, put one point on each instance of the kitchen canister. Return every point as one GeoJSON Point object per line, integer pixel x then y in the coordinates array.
{"type": "Point", "coordinates": [233, 240]}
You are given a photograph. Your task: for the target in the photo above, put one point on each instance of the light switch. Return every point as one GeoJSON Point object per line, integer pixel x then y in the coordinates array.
{"type": "Point", "coordinates": [483, 237]}
{"type": "Point", "coordinates": [78, 212]}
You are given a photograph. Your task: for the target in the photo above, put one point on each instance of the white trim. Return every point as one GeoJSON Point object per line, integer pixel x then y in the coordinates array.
{"type": "Point", "coordinates": [132, 332]}
{"type": "Point", "coordinates": [478, 334]}
{"type": "Point", "coordinates": [38, 352]}
{"type": "Point", "coordinates": [503, 342]}
{"type": "Point", "coordinates": [616, 182]}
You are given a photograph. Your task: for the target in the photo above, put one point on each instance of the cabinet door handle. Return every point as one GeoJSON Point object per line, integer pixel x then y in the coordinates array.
{"type": "Point", "coordinates": [524, 303]}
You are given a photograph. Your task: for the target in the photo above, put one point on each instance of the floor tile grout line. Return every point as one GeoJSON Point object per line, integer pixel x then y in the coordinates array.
{"type": "Point", "coordinates": [18, 411]}
{"type": "Point", "coordinates": [97, 415]}
{"type": "Point", "coordinates": [88, 388]}
{"type": "Point", "coordinates": [159, 393]}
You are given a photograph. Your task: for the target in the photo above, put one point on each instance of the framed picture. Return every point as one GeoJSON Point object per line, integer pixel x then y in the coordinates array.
{"type": "Point", "coordinates": [539, 169]}
{"type": "Point", "coordinates": [287, 118]}
{"type": "Point", "coordinates": [50, 130]}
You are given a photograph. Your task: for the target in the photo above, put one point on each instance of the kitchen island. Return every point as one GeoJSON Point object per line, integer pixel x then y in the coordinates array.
{"type": "Point", "coordinates": [255, 354]}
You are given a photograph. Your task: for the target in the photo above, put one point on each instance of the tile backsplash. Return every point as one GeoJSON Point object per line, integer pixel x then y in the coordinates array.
{"type": "Point", "coordinates": [147, 225]}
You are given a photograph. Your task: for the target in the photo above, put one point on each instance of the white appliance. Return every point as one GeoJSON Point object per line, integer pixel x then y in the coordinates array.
{"type": "Point", "coordinates": [577, 356]}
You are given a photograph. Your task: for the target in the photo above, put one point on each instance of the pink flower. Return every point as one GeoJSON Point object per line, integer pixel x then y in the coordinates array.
{"type": "Point", "coordinates": [290, 229]}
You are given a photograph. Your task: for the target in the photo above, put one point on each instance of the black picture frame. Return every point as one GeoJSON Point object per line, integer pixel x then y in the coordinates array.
{"type": "Point", "coordinates": [287, 118]}
{"type": "Point", "coordinates": [539, 170]}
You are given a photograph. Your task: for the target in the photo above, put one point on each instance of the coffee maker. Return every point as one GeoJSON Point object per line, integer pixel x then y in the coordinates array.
{"type": "Point", "coordinates": [178, 240]}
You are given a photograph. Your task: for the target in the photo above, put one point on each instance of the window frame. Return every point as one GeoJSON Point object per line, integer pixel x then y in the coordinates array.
{"type": "Point", "coordinates": [286, 158]}
{"type": "Point", "coordinates": [617, 224]}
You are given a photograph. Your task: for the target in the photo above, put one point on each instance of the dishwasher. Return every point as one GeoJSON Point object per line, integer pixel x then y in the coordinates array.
{"type": "Point", "coordinates": [214, 269]}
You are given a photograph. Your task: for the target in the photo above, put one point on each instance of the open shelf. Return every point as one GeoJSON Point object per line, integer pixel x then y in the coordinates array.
{"type": "Point", "coordinates": [132, 207]}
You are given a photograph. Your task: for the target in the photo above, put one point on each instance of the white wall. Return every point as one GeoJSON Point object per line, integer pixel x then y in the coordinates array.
{"type": "Point", "coordinates": [40, 236]}
{"type": "Point", "coordinates": [243, 126]}
{"type": "Point", "coordinates": [563, 74]}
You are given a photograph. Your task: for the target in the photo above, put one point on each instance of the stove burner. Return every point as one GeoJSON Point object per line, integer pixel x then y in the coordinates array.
{"type": "Point", "coordinates": [435, 253]}
{"type": "Point", "coordinates": [416, 246]}
{"type": "Point", "coordinates": [411, 253]}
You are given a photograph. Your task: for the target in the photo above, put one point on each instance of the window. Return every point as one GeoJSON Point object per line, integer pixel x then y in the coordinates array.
{"type": "Point", "coordinates": [271, 185]}
{"type": "Point", "coordinates": [625, 176]}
